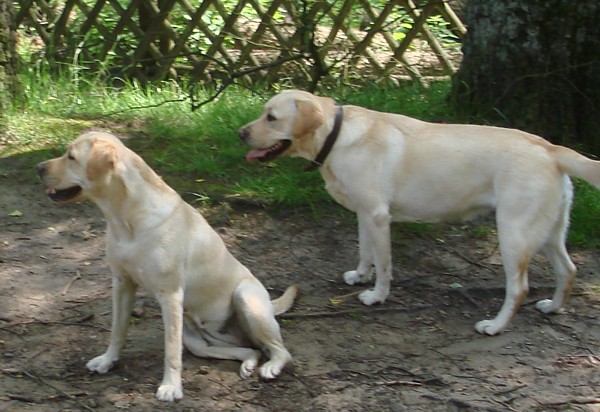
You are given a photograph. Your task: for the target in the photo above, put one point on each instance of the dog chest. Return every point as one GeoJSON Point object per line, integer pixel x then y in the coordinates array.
{"type": "Point", "coordinates": [142, 259]}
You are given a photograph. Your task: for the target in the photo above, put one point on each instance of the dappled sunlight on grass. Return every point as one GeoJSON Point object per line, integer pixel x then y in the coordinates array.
{"type": "Point", "coordinates": [29, 132]}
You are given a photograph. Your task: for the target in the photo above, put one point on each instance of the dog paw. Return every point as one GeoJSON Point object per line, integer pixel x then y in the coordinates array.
{"type": "Point", "coordinates": [169, 393]}
{"type": "Point", "coordinates": [548, 306]}
{"type": "Point", "coordinates": [370, 297]}
{"type": "Point", "coordinates": [487, 327]}
{"type": "Point", "coordinates": [247, 368]}
{"type": "Point", "coordinates": [100, 364]}
{"type": "Point", "coordinates": [353, 277]}
{"type": "Point", "coordinates": [269, 370]}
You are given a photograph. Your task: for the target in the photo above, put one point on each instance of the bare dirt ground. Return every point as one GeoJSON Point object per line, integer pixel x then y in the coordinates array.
{"type": "Point", "coordinates": [417, 352]}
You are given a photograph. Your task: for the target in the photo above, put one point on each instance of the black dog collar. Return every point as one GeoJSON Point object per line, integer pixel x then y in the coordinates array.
{"type": "Point", "coordinates": [329, 142]}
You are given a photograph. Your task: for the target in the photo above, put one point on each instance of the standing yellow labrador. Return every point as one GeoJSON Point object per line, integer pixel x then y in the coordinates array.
{"type": "Point", "coordinates": [209, 300]}
{"type": "Point", "coordinates": [388, 167]}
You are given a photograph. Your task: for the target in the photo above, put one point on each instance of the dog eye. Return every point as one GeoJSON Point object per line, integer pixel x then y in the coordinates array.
{"type": "Point", "coordinates": [271, 118]}
{"type": "Point", "coordinates": [70, 156]}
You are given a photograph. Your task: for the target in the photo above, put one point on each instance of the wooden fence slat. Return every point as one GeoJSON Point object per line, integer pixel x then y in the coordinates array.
{"type": "Point", "coordinates": [200, 64]}
{"type": "Point", "coordinates": [296, 41]}
{"type": "Point", "coordinates": [407, 41]}
{"type": "Point", "coordinates": [61, 24]}
{"type": "Point", "coordinates": [41, 30]}
{"type": "Point", "coordinates": [179, 45]}
{"type": "Point", "coordinates": [24, 11]}
{"type": "Point", "coordinates": [247, 47]}
{"type": "Point", "coordinates": [217, 42]}
{"type": "Point", "coordinates": [389, 38]}
{"type": "Point", "coordinates": [204, 7]}
{"type": "Point", "coordinates": [355, 40]}
{"type": "Point", "coordinates": [124, 18]}
{"type": "Point", "coordinates": [136, 30]}
{"type": "Point", "coordinates": [378, 22]}
{"type": "Point", "coordinates": [92, 16]}
{"type": "Point", "coordinates": [450, 16]}
{"type": "Point", "coordinates": [91, 21]}
{"type": "Point", "coordinates": [433, 43]}
{"type": "Point", "coordinates": [158, 22]}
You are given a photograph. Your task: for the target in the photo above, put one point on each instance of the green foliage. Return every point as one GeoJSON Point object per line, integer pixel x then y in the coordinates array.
{"type": "Point", "coordinates": [585, 215]}
{"type": "Point", "coordinates": [411, 99]}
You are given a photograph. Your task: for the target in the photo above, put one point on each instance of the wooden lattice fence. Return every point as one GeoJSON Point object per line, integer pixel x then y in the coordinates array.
{"type": "Point", "coordinates": [246, 40]}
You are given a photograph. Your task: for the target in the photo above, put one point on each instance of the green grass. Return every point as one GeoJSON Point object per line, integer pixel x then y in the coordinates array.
{"type": "Point", "coordinates": [199, 153]}
{"type": "Point", "coordinates": [585, 216]}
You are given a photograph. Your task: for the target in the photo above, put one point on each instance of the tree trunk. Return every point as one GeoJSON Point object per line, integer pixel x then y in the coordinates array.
{"type": "Point", "coordinates": [8, 61]}
{"type": "Point", "coordinates": [534, 65]}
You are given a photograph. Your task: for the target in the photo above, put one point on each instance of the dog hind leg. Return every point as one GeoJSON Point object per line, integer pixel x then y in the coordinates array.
{"type": "Point", "coordinates": [556, 252]}
{"type": "Point", "coordinates": [565, 272]}
{"type": "Point", "coordinates": [255, 313]}
{"type": "Point", "coordinates": [518, 237]}
{"type": "Point", "coordinates": [196, 344]}
{"type": "Point", "coordinates": [516, 290]}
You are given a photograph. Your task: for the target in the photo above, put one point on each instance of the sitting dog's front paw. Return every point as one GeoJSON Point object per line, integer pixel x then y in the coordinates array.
{"type": "Point", "coordinates": [487, 327]}
{"type": "Point", "coordinates": [100, 364]}
{"type": "Point", "coordinates": [371, 297]}
{"type": "Point", "coordinates": [353, 277]}
{"type": "Point", "coordinates": [548, 306]}
{"type": "Point", "coordinates": [269, 370]}
{"type": "Point", "coordinates": [247, 368]}
{"type": "Point", "coordinates": [169, 393]}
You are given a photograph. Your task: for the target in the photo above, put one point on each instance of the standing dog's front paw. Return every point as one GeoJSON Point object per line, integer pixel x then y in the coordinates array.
{"type": "Point", "coordinates": [354, 277]}
{"type": "Point", "coordinates": [169, 393]}
{"type": "Point", "coordinates": [100, 364]}
{"type": "Point", "coordinates": [487, 327]}
{"type": "Point", "coordinates": [371, 297]}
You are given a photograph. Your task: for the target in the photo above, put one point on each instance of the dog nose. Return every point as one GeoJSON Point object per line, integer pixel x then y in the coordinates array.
{"type": "Point", "coordinates": [243, 134]}
{"type": "Point", "coordinates": [41, 169]}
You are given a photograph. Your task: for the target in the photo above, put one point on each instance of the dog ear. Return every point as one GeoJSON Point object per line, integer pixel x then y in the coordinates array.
{"type": "Point", "coordinates": [101, 160]}
{"type": "Point", "coordinates": [309, 117]}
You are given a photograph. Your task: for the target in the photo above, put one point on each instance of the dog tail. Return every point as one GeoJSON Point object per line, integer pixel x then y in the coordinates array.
{"type": "Point", "coordinates": [577, 165]}
{"type": "Point", "coordinates": [283, 303]}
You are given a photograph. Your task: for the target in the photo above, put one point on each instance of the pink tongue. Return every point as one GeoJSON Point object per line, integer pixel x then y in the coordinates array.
{"type": "Point", "coordinates": [256, 154]}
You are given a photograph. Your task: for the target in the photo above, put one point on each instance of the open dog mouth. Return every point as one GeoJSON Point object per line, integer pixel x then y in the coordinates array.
{"type": "Point", "coordinates": [270, 153]}
{"type": "Point", "coordinates": [64, 195]}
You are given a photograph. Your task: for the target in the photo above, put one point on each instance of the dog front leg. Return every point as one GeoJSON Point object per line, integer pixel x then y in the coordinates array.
{"type": "Point", "coordinates": [172, 312]}
{"type": "Point", "coordinates": [123, 299]}
{"type": "Point", "coordinates": [364, 271]}
{"type": "Point", "coordinates": [376, 231]}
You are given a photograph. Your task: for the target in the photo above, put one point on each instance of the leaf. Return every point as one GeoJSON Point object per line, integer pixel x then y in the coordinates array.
{"type": "Point", "coordinates": [16, 213]}
{"type": "Point", "coordinates": [455, 285]}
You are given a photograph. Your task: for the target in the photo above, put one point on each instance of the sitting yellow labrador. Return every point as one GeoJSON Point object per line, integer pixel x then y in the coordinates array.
{"type": "Point", "coordinates": [388, 167]}
{"type": "Point", "coordinates": [209, 300]}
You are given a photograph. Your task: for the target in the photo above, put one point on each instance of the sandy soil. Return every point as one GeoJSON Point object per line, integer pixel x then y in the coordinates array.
{"type": "Point", "coordinates": [417, 352]}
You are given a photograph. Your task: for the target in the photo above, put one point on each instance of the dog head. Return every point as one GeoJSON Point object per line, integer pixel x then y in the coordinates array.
{"type": "Point", "coordinates": [288, 124]}
{"type": "Point", "coordinates": [84, 170]}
